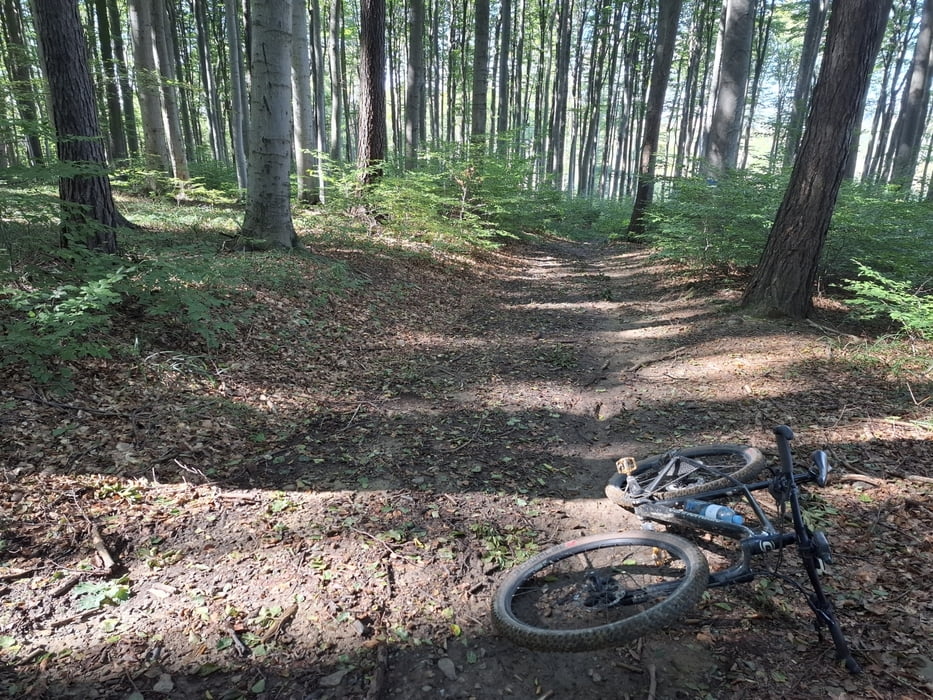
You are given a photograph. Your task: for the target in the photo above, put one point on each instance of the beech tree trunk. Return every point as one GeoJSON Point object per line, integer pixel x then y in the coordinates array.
{"type": "Point", "coordinates": [268, 198]}
{"type": "Point", "coordinates": [908, 131]}
{"type": "Point", "coordinates": [783, 282]}
{"type": "Point", "coordinates": [722, 149]}
{"type": "Point", "coordinates": [88, 209]}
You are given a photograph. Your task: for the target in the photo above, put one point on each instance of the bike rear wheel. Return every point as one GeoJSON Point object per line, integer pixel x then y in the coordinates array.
{"type": "Point", "coordinates": [600, 591]}
{"type": "Point", "coordinates": [734, 462]}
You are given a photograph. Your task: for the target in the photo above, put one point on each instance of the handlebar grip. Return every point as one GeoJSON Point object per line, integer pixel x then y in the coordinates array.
{"type": "Point", "coordinates": [784, 435]}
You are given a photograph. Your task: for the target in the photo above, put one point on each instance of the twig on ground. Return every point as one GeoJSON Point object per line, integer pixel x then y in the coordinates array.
{"type": "Point", "coordinates": [652, 681]}
{"type": "Point", "coordinates": [101, 548]}
{"type": "Point", "coordinates": [237, 642]}
{"type": "Point", "coordinates": [276, 626]}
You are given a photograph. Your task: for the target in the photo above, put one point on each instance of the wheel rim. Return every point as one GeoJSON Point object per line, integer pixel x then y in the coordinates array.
{"type": "Point", "coordinates": [598, 587]}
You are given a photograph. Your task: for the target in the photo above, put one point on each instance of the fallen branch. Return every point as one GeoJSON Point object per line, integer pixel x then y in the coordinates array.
{"type": "Point", "coordinates": [652, 681]}
{"type": "Point", "coordinates": [651, 359]}
{"type": "Point", "coordinates": [107, 561]}
{"type": "Point", "coordinates": [276, 626]}
{"type": "Point", "coordinates": [873, 480]}
{"type": "Point", "coordinates": [919, 479]}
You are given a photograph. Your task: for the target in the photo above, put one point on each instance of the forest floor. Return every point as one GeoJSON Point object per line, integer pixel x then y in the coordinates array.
{"type": "Point", "coordinates": [324, 507]}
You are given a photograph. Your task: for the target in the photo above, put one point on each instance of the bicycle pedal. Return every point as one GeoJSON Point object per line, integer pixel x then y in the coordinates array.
{"type": "Point", "coordinates": [626, 465]}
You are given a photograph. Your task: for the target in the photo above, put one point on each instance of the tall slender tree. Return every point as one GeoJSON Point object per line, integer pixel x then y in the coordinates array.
{"type": "Point", "coordinates": [18, 58]}
{"type": "Point", "coordinates": [668, 18]}
{"type": "Point", "coordinates": [783, 281]}
{"type": "Point", "coordinates": [268, 214]}
{"type": "Point", "coordinates": [372, 138]}
{"type": "Point", "coordinates": [478, 103]}
{"type": "Point", "coordinates": [89, 213]}
{"type": "Point", "coordinates": [908, 131]}
{"type": "Point", "coordinates": [414, 83]}
{"type": "Point", "coordinates": [722, 149]}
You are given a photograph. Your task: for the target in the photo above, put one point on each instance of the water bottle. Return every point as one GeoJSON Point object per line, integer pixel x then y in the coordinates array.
{"type": "Point", "coordinates": [713, 511]}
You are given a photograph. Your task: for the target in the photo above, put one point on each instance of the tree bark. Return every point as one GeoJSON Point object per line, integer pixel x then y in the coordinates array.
{"type": "Point", "coordinates": [17, 59]}
{"type": "Point", "coordinates": [372, 136]}
{"type": "Point", "coordinates": [478, 107]}
{"type": "Point", "coordinates": [813, 34]}
{"type": "Point", "coordinates": [239, 108]}
{"type": "Point", "coordinates": [268, 199]}
{"type": "Point", "coordinates": [783, 282]}
{"type": "Point", "coordinates": [722, 149]}
{"type": "Point", "coordinates": [88, 209]}
{"type": "Point", "coordinates": [908, 131]}
{"type": "Point", "coordinates": [115, 124]}
{"type": "Point", "coordinates": [668, 19]}
{"type": "Point", "coordinates": [414, 84]}
{"type": "Point", "coordinates": [303, 104]}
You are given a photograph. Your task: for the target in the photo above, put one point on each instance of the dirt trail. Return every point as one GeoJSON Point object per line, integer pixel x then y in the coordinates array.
{"type": "Point", "coordinates": [356, 557]}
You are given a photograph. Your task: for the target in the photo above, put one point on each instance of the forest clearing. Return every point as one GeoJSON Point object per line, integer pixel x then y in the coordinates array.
{"type": "Point", "coordinates": [322, 507]}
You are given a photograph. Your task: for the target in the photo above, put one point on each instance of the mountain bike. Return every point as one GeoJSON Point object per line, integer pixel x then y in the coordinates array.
{"type": "Point", "coordinates": [608, 589]}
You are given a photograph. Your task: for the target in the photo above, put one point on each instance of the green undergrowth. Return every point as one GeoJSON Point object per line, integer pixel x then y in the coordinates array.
{"type": "Point", "coordinates": [182, 285]}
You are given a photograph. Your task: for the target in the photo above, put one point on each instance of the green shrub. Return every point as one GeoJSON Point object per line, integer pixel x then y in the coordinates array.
{"type": "Point", "coordinates": [901, 301]}
{"type": "Point", "coordinates": [722, 223]}
{"type": "Point", "coordinates": [93, 305]}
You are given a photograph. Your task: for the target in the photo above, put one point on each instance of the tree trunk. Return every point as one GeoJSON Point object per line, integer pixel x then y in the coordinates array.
{"type": "Point", "coordinates": [783, 282]}
{"type": "Point", "coordinates": [148, 80]}
{"type": "Point", "coordinates": [722, 149]}
{"type": "Point", "coordinates": [165, 57]}
{"type": "Point", "coordinates": [371, 142]}
{"type": "Point", "coordinates": [480, 73]}
{"type": "Point", "coordinates": [115, 122]}
{"type": "Point", "coordinates": [503, 88]}
{"type": "Point", "coordinates": [414, 84]}
{"type": "Point", "coordinates": [239, 110]}
{"type": "Point", "coordinates": [335, 57]}
{"type": "Point", "coordinates": [908, 131]}
{"type": "Point", "coordinates": [668, 19]}
{"type": "Point", "coordinates": [88, 209]}
{"type": "Point", "coordinates": [18, 57]}
{"type": "Point", "coordinates": [209, 80]}
{"type": "Point", "coordinates": [320, 106]}
{"type": "Point", "coordinates": [303, 104]}
{"type": "Point", "coordinates": [126, 91]}
{"type": "Point", "coordinates": [268, 198]}
{"type": "Point", "coordinates": [816, 20]}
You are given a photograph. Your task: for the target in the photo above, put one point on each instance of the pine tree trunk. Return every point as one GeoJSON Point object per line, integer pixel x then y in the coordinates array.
{"type": "Point", "coordinates": [371, 142]}
{"type": "Point", "coordinates": [783, 282]}
{"type": "Point", "coordinates": [88, 210]}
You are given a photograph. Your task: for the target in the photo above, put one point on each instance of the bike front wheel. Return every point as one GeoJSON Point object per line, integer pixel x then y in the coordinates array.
{"type": "Point", "coordinates": [600, 591]}
{"type": "Point", "coordinates": [721, 466]}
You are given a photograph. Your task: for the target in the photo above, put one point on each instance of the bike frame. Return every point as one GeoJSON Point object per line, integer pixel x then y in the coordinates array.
{"type": "Point", "coordinates": [784, 488]}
